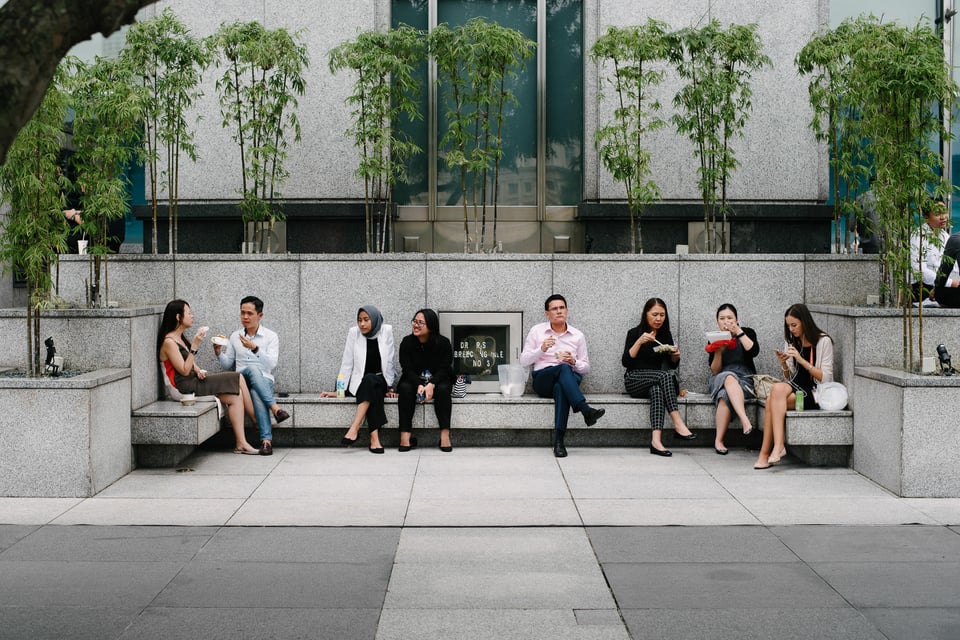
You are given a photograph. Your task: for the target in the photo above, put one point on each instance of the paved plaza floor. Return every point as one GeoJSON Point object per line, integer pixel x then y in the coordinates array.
{"type": "Point", "coordinates": [498, 543]}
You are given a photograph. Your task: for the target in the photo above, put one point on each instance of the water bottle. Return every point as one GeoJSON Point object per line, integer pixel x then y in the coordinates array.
{"type": "Point", "coordinates": [425, 378]}
{"type": "Point", "coordinates": [799, 401]}
{"type": "Point", "coordinates": [341, 386]}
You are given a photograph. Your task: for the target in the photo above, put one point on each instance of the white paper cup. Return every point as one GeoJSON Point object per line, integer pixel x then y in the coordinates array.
{"type": "Point", "coordinates": [82, 247]}
{"type": "Point", "coordinates": [188, 398]}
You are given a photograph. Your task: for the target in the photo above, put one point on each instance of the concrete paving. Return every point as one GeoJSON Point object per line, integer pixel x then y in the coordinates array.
{"type": "Point", "coordinates": [482, 543]}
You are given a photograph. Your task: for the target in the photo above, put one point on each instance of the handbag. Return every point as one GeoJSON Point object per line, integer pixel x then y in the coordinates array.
{"type": "Point", "coordinates": [831, 396]}
{"type": "Point", "coordinates": [762, 384]}
{"type": "Point", "coordinates": [460, 387]}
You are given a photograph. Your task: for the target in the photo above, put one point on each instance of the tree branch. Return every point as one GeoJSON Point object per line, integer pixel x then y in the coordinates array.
{"type": "Point", "coordinates": [34, 37]}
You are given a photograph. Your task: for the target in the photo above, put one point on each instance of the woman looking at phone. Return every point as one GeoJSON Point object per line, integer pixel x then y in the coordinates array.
{"type": "Point", "coordinates": [807, 360]}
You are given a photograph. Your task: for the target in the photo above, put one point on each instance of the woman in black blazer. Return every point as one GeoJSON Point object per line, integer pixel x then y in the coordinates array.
{"type": "Point", "coordinates": [425, 350]}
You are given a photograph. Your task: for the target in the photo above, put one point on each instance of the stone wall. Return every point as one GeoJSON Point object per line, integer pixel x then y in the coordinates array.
{"type": "Point", "coordinates": [781, 160]}
{"type": "Point", "coordinates": [311, 300]}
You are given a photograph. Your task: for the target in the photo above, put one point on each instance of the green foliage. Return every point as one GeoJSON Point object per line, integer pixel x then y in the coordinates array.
{"type": "Point", "coordinates": [35, 231]}
{"type": "Point", "coordinates": [107, 131]}
{"type": "Point", "coordinates": [712, 108]}
{"type": "Point", "coordinates": [836, 120]}
{"type": "Point", "coordinates": [168, 62]}
{"type": "Point", "coordinates": [385, 90]}
{"type": "Point", "coordinates": [635, 54]}
{"type": "Point", "coordinates": [893, 78]}
{"type": "Point", "coordinates": [262, 77]}
{"type": "Point", "coordinates": [475, 61]}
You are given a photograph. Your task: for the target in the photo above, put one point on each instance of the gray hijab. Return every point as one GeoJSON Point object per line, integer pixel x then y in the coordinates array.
{"type": "Point", "coordinates": [376, 320]}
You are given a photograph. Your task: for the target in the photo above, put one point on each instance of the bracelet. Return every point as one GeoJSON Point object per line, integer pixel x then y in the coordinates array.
{"type": "Point", "coordinates": [193, 351]}
{"type": "Point", "coordinates": [740, 335]}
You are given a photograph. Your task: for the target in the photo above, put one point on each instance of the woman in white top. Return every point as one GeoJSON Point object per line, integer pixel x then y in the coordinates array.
{"type": "Point", "coordinates": [369, 371]}
{"type": "Point", "coordinates": [926, 249]}
{"type": "Point", "coordinates": [806, 360]}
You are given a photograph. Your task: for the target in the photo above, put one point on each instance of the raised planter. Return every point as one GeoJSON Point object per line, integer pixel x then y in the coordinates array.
{"type": "Point", "coordinates": [122, 338]}
{"type": "Point", "coordinates": [65, 437]}
{"type": "Point", "coordinates": [905, 435]}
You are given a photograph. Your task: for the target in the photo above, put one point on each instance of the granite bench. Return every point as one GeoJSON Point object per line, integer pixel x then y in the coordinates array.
{"type": "Point", "coordinates": [165, 432]}
{"type": "Point", "coordinates": [819, 438]}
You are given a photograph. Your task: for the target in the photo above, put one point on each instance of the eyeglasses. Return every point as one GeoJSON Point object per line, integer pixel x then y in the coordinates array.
{"type": "Point", "coordinates": [419, 323]}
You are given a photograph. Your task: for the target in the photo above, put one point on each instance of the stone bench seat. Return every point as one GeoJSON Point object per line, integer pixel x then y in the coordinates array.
{"type": "Point", "coordinates": [494, 411]}
{"type": "Point", "coordinates": [821, 438]}
{"type": "Point", "coordinates": [165, 432]}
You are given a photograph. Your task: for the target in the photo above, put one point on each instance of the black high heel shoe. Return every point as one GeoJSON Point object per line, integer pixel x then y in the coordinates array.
{"type": "Point", "coordinates": [377, 450]}
{"type": "Point", "coordinates": [407, 447]}
{"type": "Point", "coordinates": [689, 436]}
{"type": "Point", "coordinates": [347, 442]}
{"type": "Point", "coordinates": [446, 449]}
{"type": "Point", "coordinates": [660, 452]}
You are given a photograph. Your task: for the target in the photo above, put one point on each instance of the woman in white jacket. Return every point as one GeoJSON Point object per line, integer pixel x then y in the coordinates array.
{"type": "Point", "coordinates": [369, 370]}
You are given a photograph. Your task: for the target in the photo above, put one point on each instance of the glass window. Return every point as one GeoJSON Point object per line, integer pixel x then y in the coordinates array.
{"type": "Point", "coordinates": [563, 126]}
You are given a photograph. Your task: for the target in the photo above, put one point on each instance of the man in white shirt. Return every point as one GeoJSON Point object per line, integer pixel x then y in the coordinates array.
{"type": "Point", "coordinates": [558, 354]}
{"type": "Point", "coordinates": [253, 350]}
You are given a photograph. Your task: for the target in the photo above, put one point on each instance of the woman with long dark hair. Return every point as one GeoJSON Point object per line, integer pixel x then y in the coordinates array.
{"type": "Point", "coordinates": [806, 360]}
{"type": "Point", "coordinates": [369, 371]}
{"type": "Point", "coordinates": [422, 351]}
{"type": "Point", "coordinates": [651, 359]}
{"type": "Point", "coordinates": [731, 368]}
{"type": "Point", "coordinates": [180, 366]}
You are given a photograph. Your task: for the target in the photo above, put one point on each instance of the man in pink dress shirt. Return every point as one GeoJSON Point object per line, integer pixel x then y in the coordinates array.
{"type": "Point", "coordinates": [558, 354]}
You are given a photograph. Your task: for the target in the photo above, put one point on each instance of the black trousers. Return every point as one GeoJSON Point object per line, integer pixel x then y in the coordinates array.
{"type": "Point", "coordinates": [407, 403]}
{"type": "Point", "coordinates": [372, 389]}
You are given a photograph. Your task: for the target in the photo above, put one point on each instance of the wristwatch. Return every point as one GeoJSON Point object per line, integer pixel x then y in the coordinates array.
{"type": "Point", "coordinates": [739, 335]}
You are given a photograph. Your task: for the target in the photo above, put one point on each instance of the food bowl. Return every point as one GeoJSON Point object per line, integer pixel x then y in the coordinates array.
{"type": "Point", "coordinates": [716, 336]}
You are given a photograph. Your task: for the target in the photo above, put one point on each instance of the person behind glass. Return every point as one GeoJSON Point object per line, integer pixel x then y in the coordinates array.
{"type": "Point", "coordinates": [421, 351]}
{"type": "Point", "coordinates": [946, 290]}
{"type": "Point", "coordinates": [253, 351]}
{"type": "Point", "coordinates": [558, 354]}
{"type": "Point", "coordinates": [806, 359]}
{"type": "Point", "coordinates": [926, 250]}
{"type": "Point", "coordinates": [180, 366]}
{"type": "Point", "coordinates": [730, 371]}
{"type": "Point", "coordinates": [651, 359]}
{"type": "Point", "coordinates": [368, 368]}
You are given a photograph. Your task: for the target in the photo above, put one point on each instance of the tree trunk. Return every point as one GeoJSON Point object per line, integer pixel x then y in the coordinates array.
{"type": "Point", "coordinates": [34, 36]}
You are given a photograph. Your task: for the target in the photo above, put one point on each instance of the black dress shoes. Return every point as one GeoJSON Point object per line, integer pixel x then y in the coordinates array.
{"type": "Point", "coordinates": [376, 450]}
{"type": "Point", "coordinates": [347, 442]}
{"type": "Point", "coordinates": [660, 452]}
{"type": "Point", "coordinates": [407, 447]}
{"type": "Point", "coordinates": [559, 451]}
{"type": "Point", "coordinates": [591, 415]}
{"type": "Point", "coordinates": [266, 448]}
{"type": "Point", "coordinates": [689, 436]}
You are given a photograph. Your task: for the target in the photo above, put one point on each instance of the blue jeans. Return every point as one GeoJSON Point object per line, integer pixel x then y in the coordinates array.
{"type": "Point", "coordinates": [261, 394]}
{"type": "Point", "coordinates": [561, 383]}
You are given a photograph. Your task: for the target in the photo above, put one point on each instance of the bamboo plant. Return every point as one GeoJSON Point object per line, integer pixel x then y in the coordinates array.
{"type": "Point", "coordinates": [107, 135]}
{"type": "Point", "coordinates": [263, 73]}
{"type": "Point", "coordinates": [35, 231]}
{"type": "Point", "coordinates": [385, 91]}
{"type": "Point", "coordinates": [168, 61]}
{"type": "Point", "coordinates": [635, 55]}
{"type": "Point", "coordinates": [712, 108]}
{"type": "Point", "coordinates": [476, 62]}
